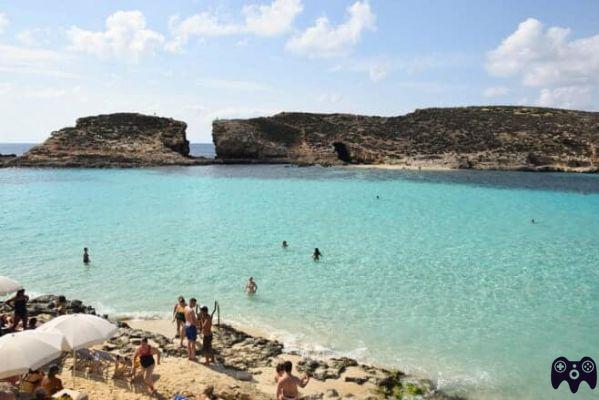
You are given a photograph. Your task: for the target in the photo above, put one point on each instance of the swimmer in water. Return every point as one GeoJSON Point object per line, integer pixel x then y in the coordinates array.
{"type": "Point", "coordinates": [317, 254]}
{"type": "Point", "coordinates": [284, 245]}
{"type": "Point", "coordinates": [250, 286]}
{"type": "Point", "coordinates": [532, 221]}
{"type": "Point", "coordinates": [85, 256]}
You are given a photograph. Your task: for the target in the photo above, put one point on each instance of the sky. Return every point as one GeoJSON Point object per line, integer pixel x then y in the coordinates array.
{"type": "Point", "coordinates": [200, 60]}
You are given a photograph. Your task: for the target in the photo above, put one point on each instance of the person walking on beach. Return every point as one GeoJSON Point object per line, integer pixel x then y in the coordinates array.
{"type": "Point", "coordinates": [19, 303]}
{"type": "Point", "coordinates": [191, 328]}
{"type": "Point", "coordinates": [206, 328]}
{"type": "Point", "coordinates": [85, 256]}
{"type": "Point", "coordinates": [287, 385]}
{"type": "Point", "coordinates": [250, 286]}
{"type": "Point", "coordinates": [146, 354]}
{"type": "Point", "coordinates": [179, 318]}
{"type": "Point", "coordinates": [317, 254]}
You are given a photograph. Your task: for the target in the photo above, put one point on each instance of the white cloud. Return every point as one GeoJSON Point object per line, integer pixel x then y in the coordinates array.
{"type": "Point", "coordinates": [34, 37]}
{"type": "Point", "coordinates": [546, 57]}
{"type": "Point", "coordinates": [28, 61]}
{"type": "Point", "coordinates": [378, 71]}
{"type": "Point", "coordinates": [262, 20]}
{"type": "Point", "coordinates": [126, 36]}
{"type": "Point", "coordinates": [549, 59]}
{"type": "Point", "coordinates": [566, 97]}
{"type": "Point", "coordinates": [273, 19]}
{"type": "Point", "coordinates": [4, 22]}
{"type": "Point", "coordinates": [495, 91]}
{"type": "Point", "coordinates": [325, 40]}
{"type": "Point", "coordinates": [233, 85]}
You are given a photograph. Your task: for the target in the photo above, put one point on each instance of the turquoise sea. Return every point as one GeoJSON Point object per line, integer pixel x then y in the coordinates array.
{"type": "Point", "coordinates": [444, 275]}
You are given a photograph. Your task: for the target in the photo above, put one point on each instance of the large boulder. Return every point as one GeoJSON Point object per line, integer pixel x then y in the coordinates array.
{"type": "Point", "coordinates": [114, 140]}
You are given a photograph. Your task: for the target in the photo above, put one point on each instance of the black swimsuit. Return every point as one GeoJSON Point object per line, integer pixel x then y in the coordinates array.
{"type": "Point", "coordinates": [21, 308]}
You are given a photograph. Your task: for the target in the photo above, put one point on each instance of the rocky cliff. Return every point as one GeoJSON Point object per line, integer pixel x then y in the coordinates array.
{"type": "Point", "coordinates": [113, 140]}
{"type": "Point", "coordinates": [498, 137]}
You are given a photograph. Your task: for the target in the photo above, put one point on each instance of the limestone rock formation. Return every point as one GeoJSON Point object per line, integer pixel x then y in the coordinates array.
{"type": "Point", "coordinates": [6, 158]}
{"type": "Point", "coordinates": [494, 137]}
{"type": "Point", "coordinates": [114, 140]}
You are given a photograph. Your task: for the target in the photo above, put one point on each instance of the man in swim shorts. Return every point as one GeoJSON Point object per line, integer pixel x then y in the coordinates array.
{"type": "Point", "coordinates": [191, 328]}
{"type": "Point", "coordinates": [206, 327]}
{"type": "Point", "coordinates": [287, 385]}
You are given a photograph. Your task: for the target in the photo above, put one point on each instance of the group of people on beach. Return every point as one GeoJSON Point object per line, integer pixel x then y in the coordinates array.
{"type": "Point", "coordinates": [19, 320]}
{"type": "Point", "coordinates": [189, 321]}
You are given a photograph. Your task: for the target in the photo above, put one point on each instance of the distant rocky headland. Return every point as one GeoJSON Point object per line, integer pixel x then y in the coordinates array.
{"type": "Point", "coordinates": [113, 140]}
{"type": "Point", "coordinates": [493, 137]}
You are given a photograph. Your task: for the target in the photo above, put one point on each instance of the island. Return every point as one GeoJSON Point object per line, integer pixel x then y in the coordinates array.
{"type": "Point", "coordinates": [483, 137]}
{"type": "Point", "coordinates": [113, 140]}
{"type": "Point", "coordinates": [486, 137]}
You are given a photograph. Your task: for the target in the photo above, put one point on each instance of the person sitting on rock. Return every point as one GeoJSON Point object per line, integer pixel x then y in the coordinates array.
{"type": "Point", "coordinates": [51, 384]}
{"type": "Point", "coordinates": [250, 286]}
{"type": "Point", "coordinates": [61, 305]}
{"type": "Point", "coordinates": [145, 353]}
{"type": "Point", "coordinates": [317, 254]}
{"type": "Point", "coordinates": [86, 259]}
{"type": "Point", "coordinates": [288, 384]}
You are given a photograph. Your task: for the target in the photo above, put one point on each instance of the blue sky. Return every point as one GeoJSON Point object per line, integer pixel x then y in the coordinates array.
{"type": "Point", "coordinates": [200, 60]}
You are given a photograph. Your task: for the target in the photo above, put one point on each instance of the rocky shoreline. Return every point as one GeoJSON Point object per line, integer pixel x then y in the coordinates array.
{"type": "Point", "coordinates": [245, 358]}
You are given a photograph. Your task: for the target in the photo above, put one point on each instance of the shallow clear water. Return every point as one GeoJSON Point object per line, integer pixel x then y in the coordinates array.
{"type": "Point", "coordinates": [443, 275]}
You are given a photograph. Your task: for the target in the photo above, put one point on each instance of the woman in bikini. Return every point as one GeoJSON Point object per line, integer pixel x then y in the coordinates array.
{"type": "Point", "coordinates": [179, 317]}
{"type": "Point", "coordinates": [146, 354]}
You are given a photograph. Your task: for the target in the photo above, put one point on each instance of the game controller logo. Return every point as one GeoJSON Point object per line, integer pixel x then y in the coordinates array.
{"type": "Point", "coordinates": [574, 372]}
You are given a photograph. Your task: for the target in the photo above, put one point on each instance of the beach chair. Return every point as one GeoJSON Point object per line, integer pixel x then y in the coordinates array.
{"type": "Point", "coordinates": [84, 359]}
{"type": "Point", "coordinates": [101, 364]}
{"type": "Point", "coordinates": [122, 372]}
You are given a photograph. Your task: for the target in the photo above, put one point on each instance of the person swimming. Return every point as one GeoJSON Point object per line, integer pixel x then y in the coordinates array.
{"type": "Point", "coordinates": [85, 256]}
{"type": "Point", "coordinates": [532, 221]}
{"type": "Point", "coordinates": [284, 245]}
{"type": "Point", "coordinates": [250, 286]}
{"type": "Point", "coordinates": [317, 254]}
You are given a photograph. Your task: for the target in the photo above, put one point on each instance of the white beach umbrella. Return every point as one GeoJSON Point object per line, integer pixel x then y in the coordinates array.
{"type": "Point", "coordinates": [8, 286]}
{"type": "Point", "coordinates": [80, 330]}
{"type": "Point", "coordinates": [26, 350]}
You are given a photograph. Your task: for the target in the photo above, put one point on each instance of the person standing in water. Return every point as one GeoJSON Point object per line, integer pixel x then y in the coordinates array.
{"type": "Point", "coordinates": [191, 328]}
{"type": "Point", "coordinates": [85, 256]}
{"type": "Point", "coordinates": [206, 328]}
{"type": "Point", "coordinates": [250, 286]}
{"type": "Point", "coordinates": [317, 254]}
{"type": "Point", "coordinates": [284, 245]}
{"type": "Point", "coordinates": [179, 318]}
